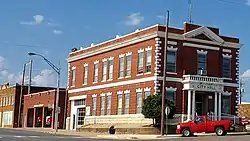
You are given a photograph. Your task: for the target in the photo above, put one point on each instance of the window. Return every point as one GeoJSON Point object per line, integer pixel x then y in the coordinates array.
{"type": "Point", "coordinates": [7, 100]}
{"type": "Point", "coordinates": [121, 68]}
{"type": "Point", "coordinates": [147, 94]}
{"type": "Point", "coordinates": [226, 104]}
{"type": "Point", "coordinates": [1, 101]}
{"type": "Point", "coordinates": [140, 62]}
{"type": "Point", "coordinates": [4, 104]}
{"type": "Point", "coordinates": [85, 79]}
{"type": "Point", "coordinates": [139, 103]}
{"type": "Point", "coordinates": [73, 77]}
{"type": "Point", "coordinates": [171, 61]}
{"type": "Point", "coordinates": [202, 61]}
{"type": "Point", "coordinates": [110, 69]}
{"type": "Point", "coordinates": [170, 95]}
{"type": "Point", "coordinates": [199, 119]}
{"type": "Point", "coordinates": [79, 102]}
{"type": "Point", "coordinates": [128, 71]}
{"type": "Point", "coordinates": [93, 106]}
{"type": "Point", "coordinates": [7, 117]}
{"type": "Point", "coordinates": [10, 100]}
{"type": "Point", "coordinates": [226, 67]}
{"type": "Point", "coordinates": [148, 61]}
{"type": "Point", "coordinates": [126, 106]}
{"type": "Point", "coordinates": [104, 70]}
{"type": "Point", "coordinates": [119, 104]}
{"type": "Point", "coordinates": [102, 105]}
{"type": "Point", "coordinates": [80, 118]}
{"type": "Point", "coordinates": [96, 72]}
{"type": "Point", "coordinates": [13, 100]}
{"type": "Point", "coordinates": [109, 105]}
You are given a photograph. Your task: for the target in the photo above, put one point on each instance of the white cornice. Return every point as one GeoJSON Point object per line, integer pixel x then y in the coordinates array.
{"type": "Point", "coordinates": [138, 90]}
{"type": "Point", "coordinates": [85, 65]}
{"type": "Point", "coordinates": [77, 97]}
{"type": "Point", "coordinates": [121, 55]}
{"type": "Point", "coordinates": [172, 42]}
{"type": "Point", "coordinates": [129, 53]}
{"type": "Point", "coordinates": [111, 58]}
{"type": "Point", "coordinates": [73, 68]}
{"type": "Point", "coordinates": [171, 89]}
{"type": "Point", "coordinates": [96, 62]}
{"type": "Point", "coordinates": [104, 59]}
{"type": "Point", "coordinates": [119, 92]}
{"type": "Point", "coordinates": [94, 95]}
{"type": "Point", "coordinates": [127, 91]}
{"type": "Point", "coordinates": [226, 50]}
{"type": "Point", "coordinates": [200, 46]}
{"type": "Point", "coordinates": [226, 93]}
{"type": "Point", "coordinates": [227, 56]}
{"type": "Point", "coordinates": [147, 89]}
{"type": "Point", "coordinates": [109, 93]}
{"type": "Point", "coordinates": [201, 52]}
{"type": "Point", "coordinates": [103, 94]}
{"type": "Point", "coordinates": [148, 48]}
{"type": "Point", "coordinates": [140, 50]}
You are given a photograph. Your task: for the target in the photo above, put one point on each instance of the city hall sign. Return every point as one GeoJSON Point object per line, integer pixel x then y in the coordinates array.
{"type": "Point", "coordinates": [201, 86]}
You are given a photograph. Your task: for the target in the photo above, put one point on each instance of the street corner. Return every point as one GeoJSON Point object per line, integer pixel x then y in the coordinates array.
{"type": "Point", "coordinates": [138, 137]}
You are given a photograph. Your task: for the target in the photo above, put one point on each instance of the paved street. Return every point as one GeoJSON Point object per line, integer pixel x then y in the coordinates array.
{"type": "Point", "coordinates": [22, 135]}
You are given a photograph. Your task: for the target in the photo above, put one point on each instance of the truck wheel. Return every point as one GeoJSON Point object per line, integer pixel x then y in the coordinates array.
{"type": "Point", "coordinates": [220, 131]}
{"type": "Point", "coordinates": [186, 132]}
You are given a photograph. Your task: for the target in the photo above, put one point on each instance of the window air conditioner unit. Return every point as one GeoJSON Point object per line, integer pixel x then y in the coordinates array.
{"type": "Point", "coordinates": [202, 72]}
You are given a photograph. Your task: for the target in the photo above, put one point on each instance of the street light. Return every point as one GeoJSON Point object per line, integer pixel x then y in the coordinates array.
{"type": "Point", "coordinates": [57, 70]}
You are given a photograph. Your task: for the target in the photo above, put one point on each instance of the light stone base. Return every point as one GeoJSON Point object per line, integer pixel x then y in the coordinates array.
{"type": "Point", "coordinates": [117, 119]}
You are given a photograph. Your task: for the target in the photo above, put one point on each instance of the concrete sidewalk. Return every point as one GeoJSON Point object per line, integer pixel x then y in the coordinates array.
{"type": "Point", "coordinates": [120, 136]}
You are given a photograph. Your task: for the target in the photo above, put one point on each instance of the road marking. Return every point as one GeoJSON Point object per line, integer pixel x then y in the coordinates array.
{"type": "Point", "coordinates": [33, 136]}
{"type": "Point", "coordinates": [78, 137]}
{"type": "Point", "coordinates": [60, 137]}
{"type": "Point", "coordinates": [19, 136]}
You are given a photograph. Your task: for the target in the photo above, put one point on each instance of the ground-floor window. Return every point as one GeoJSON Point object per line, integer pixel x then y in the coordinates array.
{"type": "Point", "coordinates": [109, 105]}
{"type": "Point", "coordinates": [147, 94]}
{"type": "Point", "coordinates": [171, 95]}
{"type": "Point", "coordinates": [81, 114]}
{"type": "Point", "coordinates": [119, 112]}
{"type": "Point", "coordinates": [126, 106]}
{"type": "Point", "coordinates": [7, 117]}
{"type": "Point", "coordinates": [139, 102]}
{"type": "Point", "coordinates": [102, 105]}
{"type": "Point", "coordinates": [226, 104]}
{"type": "Point", "coordinates": [93, 106]}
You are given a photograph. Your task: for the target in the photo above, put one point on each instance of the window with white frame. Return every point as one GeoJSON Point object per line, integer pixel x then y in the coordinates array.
{"type": "Point", "coordinates": [226, 67]}
{"type": "Point", "coordinates": [10, 100]}
{"type": "Point", "coordinates": [126, 106]}
{"type": "Point", "coordinates": [4, 104]}
{"type": "Point", "coordinates": [85, 77]}
{"type": "Point", "coordinates": [119, 104]}
{"type": "Point", "coordinates": [104, 70]}
{"type": "Point", "coordinates": [138, 102]}
{"type": "Point", "coordinates": [7, 100]}
{"type": "Point", "coordinates": [79, 102]}
{"type": "Point", "coordinates": [148, 60]}
{"type": "Point", "coordinates": [201, 61]}
{"type": "Point", "coordinates": [121, 67]}
{"type": "Point", "coordinates": [170, 95]}
{"type": "Point", "coordinates": [128, 68]}
{"type": "Point", "coordinates": [109, 97]}
{"type": "Point", "coordinates": [73, 77]}
{"type": "Point", "coordinates": [7, 117]}
{"type": "Point", "coordinates": [226, 104]}
{"type": "Point", "coordinates": [140, 62]}
{"type": "Point", "coordinates": [146, 94]}
{"type": "Point", "coordinates": [13, 100]}
{"type": "Point", "coordinates": [93, 106]}
{"type": "Point", "coordinates": [110, 76]}
{"type": "Point", "coordinates": [1, 101]}
{"type": "Point", "coordinates": [81, 115]}
{"type": "Point", "coordinates": [171, 61]}
{"type": "Point", "coordinates": [95, 72]}
{"type": "Point", "coordinates": [103, 104]}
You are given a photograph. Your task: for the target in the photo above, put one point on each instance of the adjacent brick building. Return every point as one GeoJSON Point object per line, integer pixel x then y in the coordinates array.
{"type": "Point", "coordinates": [10, 101]}
{"type": "Point", "coordinates": [108, 81]}
{"type": "Point", "coordinates": [244, 109]}
{"type": "Point", "coordinates": [39, 109]}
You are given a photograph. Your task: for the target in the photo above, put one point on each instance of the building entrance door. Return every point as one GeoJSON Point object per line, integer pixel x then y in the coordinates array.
{"type": "Point", "coordinates": [201, 104]}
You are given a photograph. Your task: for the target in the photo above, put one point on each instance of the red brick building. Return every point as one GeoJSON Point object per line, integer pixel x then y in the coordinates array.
{"type": "Point", "coordinates": [108, 81]}
{"type": "Point", "coordinates": [39, 109]}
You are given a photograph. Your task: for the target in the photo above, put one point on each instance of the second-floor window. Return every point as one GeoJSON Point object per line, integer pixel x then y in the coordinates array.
{"type": "Point", "coordinates": [110, 68]}
{"type": "Point", "coordinates": [85, 77]}
{"type": "Point", "coordinates": [128, 68]}
{"type": "Point", "coordinates": [226, 67]}
{"type": "Point", "coordinates": [171, 61]}
{"type": "Point", "coordinates": [140, 62]}
{"type": "Point", "coordinates": [96, 72]}
{"type": "Point", "coordinates": [104, 70]}
{"type": "Point", "coordinates": [121, 67]}
{"type": "Point", "coordinates": [148, 60]}
{"type": "Point", "coordinates": [201, 61]}
{"type": "Point", "coordinates": [73, 77]}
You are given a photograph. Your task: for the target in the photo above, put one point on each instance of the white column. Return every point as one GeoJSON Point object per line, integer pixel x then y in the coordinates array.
{"type": "Point", "coordinates": [193, 105]}
{"type": "Point", "coordinates": [219, 110]}
{"type": "Point", "coordinates": [189, 105]}
{"type": "Point", "coordinates": [215, 106]}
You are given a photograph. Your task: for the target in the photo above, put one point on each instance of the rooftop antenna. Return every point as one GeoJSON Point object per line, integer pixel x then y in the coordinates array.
{"type": "Point", "coordinates": [190, 11]}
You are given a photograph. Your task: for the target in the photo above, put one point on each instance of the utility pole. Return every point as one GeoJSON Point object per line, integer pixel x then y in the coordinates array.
{"type": "Point", "coordinates": [21, 95]}
{"type": "Point", "coordinates": [30, 76]}
{"type": "Point", "coordinates": [190, 11]}
{"type": "Point", "coordinates": [164, 76]}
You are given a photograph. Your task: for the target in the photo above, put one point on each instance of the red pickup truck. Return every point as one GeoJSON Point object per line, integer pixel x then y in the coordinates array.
{"type": "Point", "coordinates": [203, 124]}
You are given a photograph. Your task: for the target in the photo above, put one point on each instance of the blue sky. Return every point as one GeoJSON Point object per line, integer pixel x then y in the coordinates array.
{"type": "Point", "coordinates": [52, 28]}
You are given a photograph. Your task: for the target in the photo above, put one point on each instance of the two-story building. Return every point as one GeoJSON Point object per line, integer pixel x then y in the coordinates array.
{"type": "Point", "coordinates": [108, 81]}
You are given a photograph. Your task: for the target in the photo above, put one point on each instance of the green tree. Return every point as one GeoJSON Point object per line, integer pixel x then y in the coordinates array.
{"type": "Point", "coordinates": [152, 108]}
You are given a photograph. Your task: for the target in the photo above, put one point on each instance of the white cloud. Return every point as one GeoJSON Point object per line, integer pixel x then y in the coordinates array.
{"type": "Point", "coordinates": [248, 2]}
{"type": "Point", "coordinates": [37, 19]}
{"type": "Point", "coordinates": [134, 19]}
{"type": "Point", "coordinates": [57, 32]}
{"type": "Point", "coordinates": [46, 78]}
{"type": "Point", "coordinates": [246, 74]}
{"type": "Point", "coordinates": [52, 24]}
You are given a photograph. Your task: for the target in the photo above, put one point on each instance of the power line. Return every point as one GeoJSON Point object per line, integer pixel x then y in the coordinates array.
{"type": "Point", "coordinates": [231, 1]}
